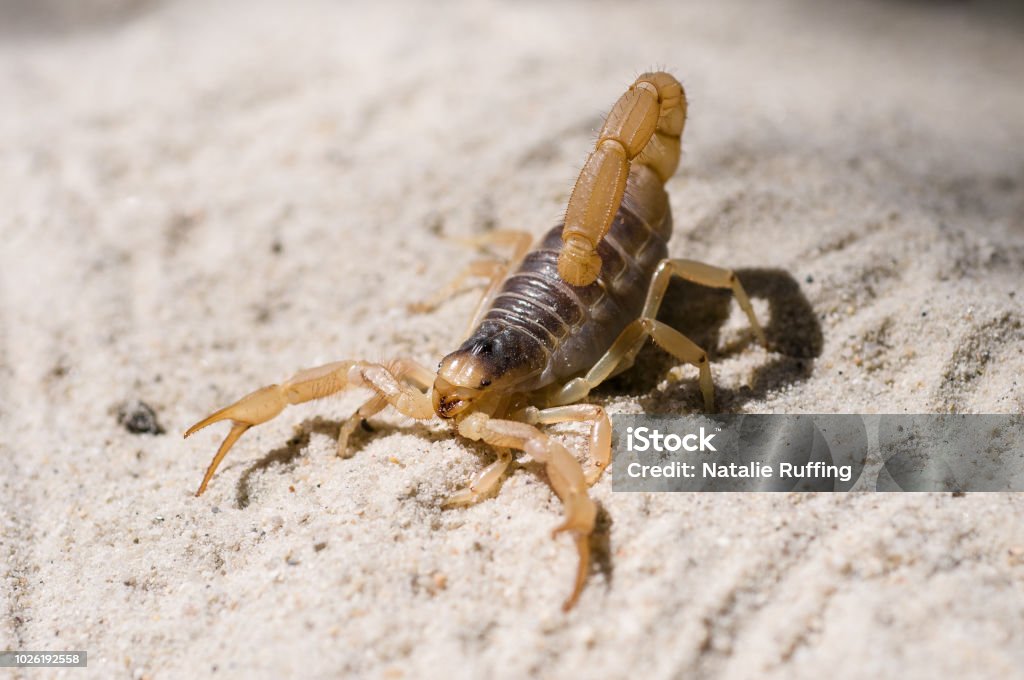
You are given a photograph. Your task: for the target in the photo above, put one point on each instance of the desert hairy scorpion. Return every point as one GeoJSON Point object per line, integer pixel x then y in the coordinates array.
{"type": "Point", "coordinates": [554, 323]}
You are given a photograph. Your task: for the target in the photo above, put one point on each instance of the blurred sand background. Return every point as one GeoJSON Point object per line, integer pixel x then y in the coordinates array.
{"type": "Point", "coordinates": [199, 198]}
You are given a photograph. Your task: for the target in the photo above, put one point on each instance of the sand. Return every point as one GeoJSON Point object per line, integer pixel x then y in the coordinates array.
{"type": "Point", "coordinates": [200, 198]}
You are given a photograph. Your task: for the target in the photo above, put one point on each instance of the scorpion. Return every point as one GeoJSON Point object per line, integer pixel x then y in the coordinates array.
{"type": "Point", "coordinates": [553, 323]}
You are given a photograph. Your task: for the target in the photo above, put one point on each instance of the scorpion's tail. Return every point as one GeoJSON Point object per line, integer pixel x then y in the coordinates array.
{"type": "Point", "coordinates": [644, 126]}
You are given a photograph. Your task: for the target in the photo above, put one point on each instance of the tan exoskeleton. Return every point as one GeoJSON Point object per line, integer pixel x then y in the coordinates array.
{"type": "Point", "coordinates": [575, 311]}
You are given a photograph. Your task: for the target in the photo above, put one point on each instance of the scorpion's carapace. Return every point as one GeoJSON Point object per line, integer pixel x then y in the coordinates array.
{"type": "Point", "coordinates": [575, 310]}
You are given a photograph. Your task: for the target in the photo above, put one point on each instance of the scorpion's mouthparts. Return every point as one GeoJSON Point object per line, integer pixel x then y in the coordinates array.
{"type": "Point", "coordinates": [449, 408]}
{"type": "Point", "coordinates": [450, 400]}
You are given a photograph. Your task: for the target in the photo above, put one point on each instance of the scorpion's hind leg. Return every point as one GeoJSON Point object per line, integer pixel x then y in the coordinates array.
{"type": "Point", "coordinates": [600, 450]}
{"type": "Point", "coordinates": [625, 348]}
{"type": "Point", "coordinates": [704, 275]}
{"type": "Point", "coordinates": [563, 470]}
{"type": "Point", "coordinates": [390, 385]}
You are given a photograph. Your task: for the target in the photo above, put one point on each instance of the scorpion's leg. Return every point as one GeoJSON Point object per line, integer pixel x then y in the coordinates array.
{"type": "Point", "coordinates": [516, 239]}
{"type": "Point", "coordinates": [520, 242]}
{"type": "Point", "coordinates": [371, 406]}
{"type": "Point", "coordinates": [410, 371]}
{"type": "Point", "coordinates": [563, 470]}
{"type": "Point", "coordinates": [494, 270]}
{"type": "Point", "coordinates": [600, 450]}
{"type": "Point", "coordinates": [314, 383]}
{"type": "Point", "coordinates": [625, 348]}
{"type": "Point", "coordinates": [622, 353]}
{"type": "Point", "coordinates": [644, 127]}
{"type": "Point", "coordinates": [489, 269]}
{"type": "Point", "coordinates": [483, 482]}
{"type": "Point", "coordinates": [704, 275]}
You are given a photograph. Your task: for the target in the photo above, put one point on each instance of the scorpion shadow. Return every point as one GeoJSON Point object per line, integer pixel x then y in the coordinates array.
{"type": "Point", "coordinates": [793, 333]}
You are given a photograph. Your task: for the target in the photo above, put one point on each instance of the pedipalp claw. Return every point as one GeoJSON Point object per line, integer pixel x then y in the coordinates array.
{"type": "Point", "coordinates": [236, 431]}
{"type": "Point", "coordinates": [252, 409]}
{"type": "Point", "coordinates": [583, 548]}
{"type": "Point", "coordinates": [579, 521]}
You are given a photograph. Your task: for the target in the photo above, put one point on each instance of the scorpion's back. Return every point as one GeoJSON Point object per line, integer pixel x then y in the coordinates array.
{"type": "Point", "coordinates": [570, 326]}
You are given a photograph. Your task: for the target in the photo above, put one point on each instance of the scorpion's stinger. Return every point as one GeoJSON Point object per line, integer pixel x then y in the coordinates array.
{"type": "Point", "coordinates": [645, 125]}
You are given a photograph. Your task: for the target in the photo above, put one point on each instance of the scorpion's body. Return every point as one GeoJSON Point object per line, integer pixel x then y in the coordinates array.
{"type": "Point", "coordinates": [562, 329]}
{"type": "Point", "coordinates": [576, 310]}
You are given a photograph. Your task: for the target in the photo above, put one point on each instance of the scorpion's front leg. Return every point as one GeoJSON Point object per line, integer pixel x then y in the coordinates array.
{"type": "Point", "coordinates": [389, 384]}
{"type": "Point", "coordinates": [563, 470]}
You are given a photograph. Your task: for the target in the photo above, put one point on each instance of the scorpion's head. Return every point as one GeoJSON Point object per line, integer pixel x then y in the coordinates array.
{"type": "Point", "coordinates": [496, 359]}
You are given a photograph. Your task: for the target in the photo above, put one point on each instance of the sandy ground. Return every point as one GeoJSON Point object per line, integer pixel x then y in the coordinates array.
{"type": "Point", "coordinates": [198, 200]}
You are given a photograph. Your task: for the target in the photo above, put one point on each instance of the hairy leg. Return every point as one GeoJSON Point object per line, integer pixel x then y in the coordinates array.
{"type": "Point", "coordinates": [626, 347]}
{"type": "Point", "coordinates": [701, 274]}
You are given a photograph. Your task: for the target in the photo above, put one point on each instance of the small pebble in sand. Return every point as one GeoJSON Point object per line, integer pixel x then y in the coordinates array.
{"type": "Point", "coordinates": [138, 417]}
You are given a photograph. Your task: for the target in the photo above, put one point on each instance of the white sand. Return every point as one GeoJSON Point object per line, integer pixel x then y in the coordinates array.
{"type": "Point", "coordinates": [197, 201]}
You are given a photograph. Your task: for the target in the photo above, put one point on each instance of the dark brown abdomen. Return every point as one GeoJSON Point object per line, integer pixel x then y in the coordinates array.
{"type": "Point", "coordinates": [574, 326]}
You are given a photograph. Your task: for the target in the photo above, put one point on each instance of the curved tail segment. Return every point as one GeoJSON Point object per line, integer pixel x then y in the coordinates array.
{"type": "Point", "coordinates": [644, 127]}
